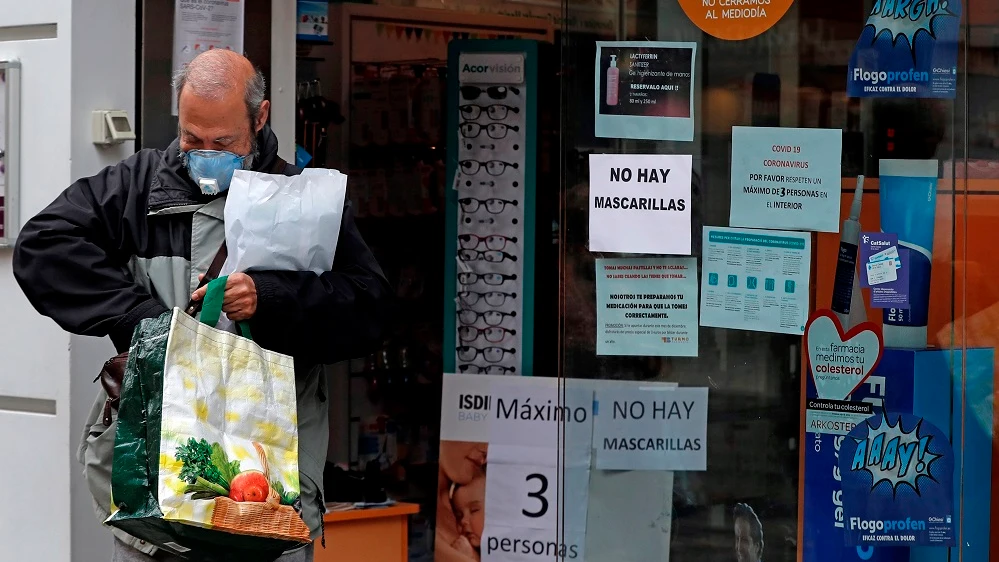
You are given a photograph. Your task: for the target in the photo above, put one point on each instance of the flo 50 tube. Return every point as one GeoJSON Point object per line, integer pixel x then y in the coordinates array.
{"type": "Point", "coordinates": [908, 197]}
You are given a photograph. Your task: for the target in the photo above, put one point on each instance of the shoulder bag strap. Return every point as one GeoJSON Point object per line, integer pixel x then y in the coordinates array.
{"type": "Point", "coordinates": [193, 307]}
{"type": "Point", "coordinates": [213, 271]}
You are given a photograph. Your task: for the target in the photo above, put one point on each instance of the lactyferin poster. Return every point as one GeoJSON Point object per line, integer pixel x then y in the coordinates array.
{"type": "Point", "coordinates": [203, 25]}
{"type": "Point", "coordinates": [645, 90]}
{"type": "Point", "coordinates": [907, 50]}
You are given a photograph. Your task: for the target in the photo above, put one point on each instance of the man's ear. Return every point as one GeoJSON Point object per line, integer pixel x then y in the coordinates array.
{"type": "Point", "coordinates": [265, 111]}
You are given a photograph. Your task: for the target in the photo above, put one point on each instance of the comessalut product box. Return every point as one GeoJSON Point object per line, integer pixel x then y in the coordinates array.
{"type": "Point", "coordinates": [948, 390]}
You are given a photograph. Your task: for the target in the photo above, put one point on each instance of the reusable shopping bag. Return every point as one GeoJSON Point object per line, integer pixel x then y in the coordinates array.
{"type": "Point", "coordinates": [206, 449]}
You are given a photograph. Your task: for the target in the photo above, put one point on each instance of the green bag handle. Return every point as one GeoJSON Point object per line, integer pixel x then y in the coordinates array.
{"type": "Point", "coordinates": [211, 310]}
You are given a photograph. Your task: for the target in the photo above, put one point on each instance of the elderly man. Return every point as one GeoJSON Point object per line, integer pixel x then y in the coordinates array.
{"type": "Point", "coordinates": [131, 242]}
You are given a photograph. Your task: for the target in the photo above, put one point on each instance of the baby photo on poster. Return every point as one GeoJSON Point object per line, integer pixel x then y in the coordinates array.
{"type": "Point", "coordinates": [644, 90]}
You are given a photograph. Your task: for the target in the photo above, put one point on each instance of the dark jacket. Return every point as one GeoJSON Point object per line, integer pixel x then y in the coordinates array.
{"type": "Point", "coordinates": [129, 244]}
{"type": "Point", "coordinates": [72, 262]}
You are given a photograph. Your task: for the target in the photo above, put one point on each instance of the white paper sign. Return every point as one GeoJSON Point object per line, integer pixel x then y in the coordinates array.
{"type": "Point", "coordinates": [651, 429]}
{"type": "Point", "coordinates": [526, 496]}
{"type": "Point", "coordinates": [786, 178]}
{"type": "Point", "coordinates": [515, 486]}
{"type": "Point", "coordinates": [203, 25]}
{"type": "Point", "coordinates": [640, 204]}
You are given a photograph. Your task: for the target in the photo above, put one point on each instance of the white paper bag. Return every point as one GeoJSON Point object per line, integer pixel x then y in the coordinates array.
{"type": "Point", "coordinates": [287, 223]}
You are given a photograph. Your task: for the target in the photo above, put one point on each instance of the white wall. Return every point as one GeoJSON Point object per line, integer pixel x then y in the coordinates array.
{"type": "Point", "coordinates": [34, 351]}
{"type": "Point", "coordinates": [87, 62]}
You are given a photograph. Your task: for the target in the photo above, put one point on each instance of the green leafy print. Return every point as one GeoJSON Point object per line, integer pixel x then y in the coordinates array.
{"type": "Point", "coordinates": [287, 498]}
{"type": "Point", "coordinates": [206, 468]}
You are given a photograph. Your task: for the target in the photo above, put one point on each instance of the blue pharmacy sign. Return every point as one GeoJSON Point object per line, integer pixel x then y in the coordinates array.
{"type": "Point", "coordinates": [898, 483]}
{"type": "Point", "coordinates": [908, 49]}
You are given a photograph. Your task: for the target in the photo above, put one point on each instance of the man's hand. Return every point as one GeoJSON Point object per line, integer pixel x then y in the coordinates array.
{"type": "Point", "coordinates": [240, 301]}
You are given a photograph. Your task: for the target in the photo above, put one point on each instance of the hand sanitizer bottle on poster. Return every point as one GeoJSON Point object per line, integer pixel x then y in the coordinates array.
{"type": "Point", "coordinates": [612, 77]}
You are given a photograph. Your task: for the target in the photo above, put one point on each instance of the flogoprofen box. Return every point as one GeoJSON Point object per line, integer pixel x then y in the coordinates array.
{"type": "Point", "coordinates": [933, 385]}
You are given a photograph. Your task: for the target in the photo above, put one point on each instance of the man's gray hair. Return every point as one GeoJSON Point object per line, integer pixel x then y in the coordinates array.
{"type": "Point", "coordinates": [212, 77]}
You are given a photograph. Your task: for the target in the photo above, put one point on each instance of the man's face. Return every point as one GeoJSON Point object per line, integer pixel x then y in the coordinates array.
{"type": "Point", "coordinates": [207, 124]}
{"type": "Point", "coordinates": [746, 549]}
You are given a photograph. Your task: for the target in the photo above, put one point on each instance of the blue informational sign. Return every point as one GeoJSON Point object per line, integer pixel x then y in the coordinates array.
{"type": "Point", "coordinates": [898, 483]}
{"type": "Point", "coordinates": [907, 50]}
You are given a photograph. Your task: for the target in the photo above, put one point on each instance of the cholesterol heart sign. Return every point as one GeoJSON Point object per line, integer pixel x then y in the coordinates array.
{"type": "Point", "coordinates": [840, 362]}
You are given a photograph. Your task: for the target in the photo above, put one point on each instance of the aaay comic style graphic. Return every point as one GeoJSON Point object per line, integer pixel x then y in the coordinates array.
{"type": "Point", "coordinates": [898, 483]}
{"type": "Point", "coordinates": [907, 49]}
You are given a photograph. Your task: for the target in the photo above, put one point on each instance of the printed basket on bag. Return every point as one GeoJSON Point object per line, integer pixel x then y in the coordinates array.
{"type": "Point", "coordinates": [258, 519]}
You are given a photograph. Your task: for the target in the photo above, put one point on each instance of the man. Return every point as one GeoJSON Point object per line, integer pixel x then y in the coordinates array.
{"type": "Point", "coordinates": [131, 242]}
{"type": "Point", "coordinates": [748, 534]}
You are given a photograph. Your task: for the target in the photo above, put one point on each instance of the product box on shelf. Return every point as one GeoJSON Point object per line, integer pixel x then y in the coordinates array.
{"type": "Point", "coordinates": [950, 389]}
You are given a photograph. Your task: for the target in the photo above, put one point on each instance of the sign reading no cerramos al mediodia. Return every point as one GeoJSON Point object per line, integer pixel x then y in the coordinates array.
{"type": "Point", "coordinates": [640, 203]}
{"type": "Point", "coordinates": [651, 429]}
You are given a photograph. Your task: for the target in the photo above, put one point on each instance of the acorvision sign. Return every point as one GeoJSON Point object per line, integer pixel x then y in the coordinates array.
{"type": "Point", "coordinates": [491, 68]}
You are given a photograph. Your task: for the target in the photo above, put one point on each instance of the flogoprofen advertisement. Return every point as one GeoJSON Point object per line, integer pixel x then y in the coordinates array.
{"type": "Point", "coordinates": [907, 49]}
{"type": "Point", "coordinates": [898, 483]}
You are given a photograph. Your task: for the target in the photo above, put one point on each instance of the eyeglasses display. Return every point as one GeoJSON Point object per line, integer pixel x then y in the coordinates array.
{"type": "Point", "coordinates": [493, 279]}
{"type": "Point", "coordinates": [492, 256]}
{"type": "Point", "coordinates": [492, 242]}
{"type": "Point", "coordinates": [493, 167]}
{"type": "Point", "coordinates": [491, 123]}
{"type": "Point", "coordinates": [471, 130]}
{"type": "Point", "coordinates": [490, 370]}
{"type": "Point", "coordinates": [472, 93]}
{"type": "Point", "coordinates": [493, 205]}
{"type": "Point", "coordinates": [496, 111]}
{"type": "Point", "coordinates": [492, 298]}
{"type": "Point", "coordinates": [490, 317]}
{"type": "Point", "coordinates": [492, 334]}
{"type": "Point", "coordinates": [489, 354]}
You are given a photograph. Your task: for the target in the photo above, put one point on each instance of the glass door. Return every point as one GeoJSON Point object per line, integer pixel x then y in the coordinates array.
{"type": "Point", "coordinates": [775, 261]}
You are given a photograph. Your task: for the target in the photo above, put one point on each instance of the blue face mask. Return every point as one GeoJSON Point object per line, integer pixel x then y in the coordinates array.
{"type": "Point", "coordinates": [212, 169]}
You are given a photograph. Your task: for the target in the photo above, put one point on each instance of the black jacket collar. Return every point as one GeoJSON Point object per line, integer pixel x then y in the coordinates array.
{"type": "Point", "coordinates": [173, 187]}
